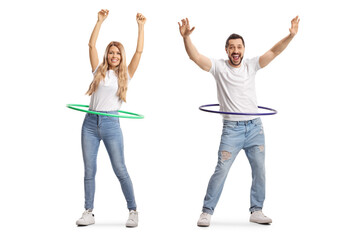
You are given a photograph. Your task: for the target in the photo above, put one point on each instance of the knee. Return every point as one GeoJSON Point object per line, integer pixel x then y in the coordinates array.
{"type": "Point", "coordinates": [90, 173]}
{"type": "Point", "coordinates": [121, 173]}
{"type": "Point", "coordinates": [258, 172]}
{"type": "Point", "coordinates": [224, 162]}
{"type": "Point", "coordinates": [256, 155]}
{"type": "Point", "coordinates": [224, 156]}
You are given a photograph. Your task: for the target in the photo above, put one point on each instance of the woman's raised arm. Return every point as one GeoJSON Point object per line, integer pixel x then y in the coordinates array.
{"type": "Point", "coordinates": [140, 45]}
{"type": "Point", "coordinates": [94, 59]}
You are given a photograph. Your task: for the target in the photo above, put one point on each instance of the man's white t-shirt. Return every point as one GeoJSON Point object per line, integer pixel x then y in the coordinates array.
{"type": "Point", "coordinates": [236, 87]}
{"type": "Point", "coordinates": [105, 98]}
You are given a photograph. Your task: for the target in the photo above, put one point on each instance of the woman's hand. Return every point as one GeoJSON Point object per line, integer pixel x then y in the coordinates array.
{"type": "Point", "coordinates": [102, 15]}
{"type": "Point", "coordinates": [140, 19]}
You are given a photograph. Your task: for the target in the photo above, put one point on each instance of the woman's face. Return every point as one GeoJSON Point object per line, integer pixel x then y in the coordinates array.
{"type": "Point", "coordinates": [114, 57]}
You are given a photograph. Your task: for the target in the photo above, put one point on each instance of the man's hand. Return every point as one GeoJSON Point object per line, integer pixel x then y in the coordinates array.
{"type": "Point", "coordinates": [184, 28]}
{"type": "Point", "coordinates": [294, 26]}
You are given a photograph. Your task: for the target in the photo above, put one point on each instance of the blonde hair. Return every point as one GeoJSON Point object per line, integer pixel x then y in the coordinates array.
{"type": "Point", "coordinates": [120, 72]}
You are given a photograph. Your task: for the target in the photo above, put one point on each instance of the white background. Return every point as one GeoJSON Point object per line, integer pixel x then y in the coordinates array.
{"type": "Point", "coordinates": [312, 143]}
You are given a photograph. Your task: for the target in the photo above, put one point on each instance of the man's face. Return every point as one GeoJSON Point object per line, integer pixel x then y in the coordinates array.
{"type": "Point", "coordinates": [235, 52]}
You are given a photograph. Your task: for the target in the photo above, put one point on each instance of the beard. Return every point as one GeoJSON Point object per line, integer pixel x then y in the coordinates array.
{"type": "Point", "coordinates": [235, 64]}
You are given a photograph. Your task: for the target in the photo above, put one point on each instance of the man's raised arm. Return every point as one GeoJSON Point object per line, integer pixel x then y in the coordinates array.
{"type": "Point", "coordinates": [185, 31]}
{"type": "Point", "coordinates": [280, 46]}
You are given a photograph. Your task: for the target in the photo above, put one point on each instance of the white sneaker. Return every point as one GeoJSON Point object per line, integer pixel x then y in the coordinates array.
{"type": "Point", "coordinates": [204, 220]}
{"type": "Point", "coordinates": [133, 219]}
{"type": "Point", "coordinates": [259, 217]}
{"type": "Point", "coordinates": [86, 219]}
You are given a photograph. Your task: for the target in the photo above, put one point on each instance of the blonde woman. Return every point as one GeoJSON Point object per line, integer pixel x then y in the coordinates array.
{"type": "Point", "coordinates": [108, 91]}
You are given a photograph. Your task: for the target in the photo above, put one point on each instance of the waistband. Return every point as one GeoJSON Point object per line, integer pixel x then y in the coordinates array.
{"type": "Point", "coordinates": [112, 111]}
{"type": "Point", "coordinates": [255, 120]}
{"type": "Point", "coordinates": [108, 112]}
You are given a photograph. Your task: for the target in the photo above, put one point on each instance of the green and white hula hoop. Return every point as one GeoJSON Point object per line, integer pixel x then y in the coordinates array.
{"type": "Point", "coordinates": [129, 114]}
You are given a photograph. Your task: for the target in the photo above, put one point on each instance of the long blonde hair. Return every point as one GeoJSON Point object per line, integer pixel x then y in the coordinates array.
{"type": "Point", "coordinates": [120, 71]}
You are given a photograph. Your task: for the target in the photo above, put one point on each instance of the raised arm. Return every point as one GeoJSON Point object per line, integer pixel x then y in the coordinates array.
{"type": "Point", "coordinates": [140, 45]}
{"type": "Point", "coordinates": [94, 60]}
{"type": "Point", "coordinates": [280, 46]}
{"type": "Point", "coordinates": [185, 31]}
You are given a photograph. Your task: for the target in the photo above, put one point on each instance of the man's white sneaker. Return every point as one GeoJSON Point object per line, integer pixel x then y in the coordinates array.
{"type": "Point", "coordinates": [204, 220]}
{"type": "Point", "coordinates": [259, 217]}
{"type": "Point", "coordinates": [133, 219]}
{"type": "Point", "coordinates": [86, 219]}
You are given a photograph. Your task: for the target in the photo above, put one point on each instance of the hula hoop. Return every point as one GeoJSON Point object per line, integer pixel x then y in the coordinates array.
{"type": "Point", "coordinates": [273, 111]}
{"type": "Point", "coordinates": [130, 114]}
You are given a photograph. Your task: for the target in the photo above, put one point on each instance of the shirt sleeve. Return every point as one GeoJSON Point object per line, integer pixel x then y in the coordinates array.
{"type": "Point", "coordinates": [254, 64]}
{"type": "Point", "coordinates": [129, 78]}
{"type": "Point", "coordinates": [213, 67]}
{"type": "Point", "coordinates": [96, 70]}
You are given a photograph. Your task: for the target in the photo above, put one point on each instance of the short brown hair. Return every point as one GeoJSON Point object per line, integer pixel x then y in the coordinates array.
{"type": "Point", "coordinates": [234, 36]}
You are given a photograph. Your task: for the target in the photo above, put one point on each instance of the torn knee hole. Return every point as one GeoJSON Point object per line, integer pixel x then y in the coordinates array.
{"type": "Point", "coordinates": [261, 148]}
{"type": "Point", "coordinates": [225, 155]}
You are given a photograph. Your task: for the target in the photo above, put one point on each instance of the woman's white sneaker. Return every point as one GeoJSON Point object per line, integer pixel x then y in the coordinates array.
{"type": "Point", "coordinates": [204, 220]}
{"type": "Point", "coordinates": [133, 219]}
{"type": "Point", "coordinates": [259, 217]}
{"type": "Point", "coordinates": [86, 219]}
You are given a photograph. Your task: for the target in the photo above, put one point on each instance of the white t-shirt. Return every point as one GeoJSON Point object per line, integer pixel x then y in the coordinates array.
{"type": "Point", "coordinates": [105, 98]}
{"type": "Point", "coordinates": [236, 87]}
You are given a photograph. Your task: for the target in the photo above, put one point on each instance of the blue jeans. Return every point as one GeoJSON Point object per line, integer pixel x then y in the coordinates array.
{"type": "Point", "coordinates": [237, 135]}
{"type": "Point", "coordinates": [96, 128]}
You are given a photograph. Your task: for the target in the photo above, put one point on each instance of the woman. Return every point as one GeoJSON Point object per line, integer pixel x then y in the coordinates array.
{"type": "Point", "coordinates": [108, 91]}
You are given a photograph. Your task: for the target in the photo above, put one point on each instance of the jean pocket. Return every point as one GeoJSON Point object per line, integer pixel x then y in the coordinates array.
{"type": "Point", "coordinates": [258, 122]}
{"type": "Point", "coordinates": [228, 129]}
{"type": "Point", "coordinates": [112, 119]}
{"type": "Point", "coordinates": [229, 124]}
{"type": "Point", "coordinates": [89, 116]}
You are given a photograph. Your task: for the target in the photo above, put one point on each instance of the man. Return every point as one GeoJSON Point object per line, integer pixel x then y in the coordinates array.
{"type": "Point", "coordinates": [235, 80]}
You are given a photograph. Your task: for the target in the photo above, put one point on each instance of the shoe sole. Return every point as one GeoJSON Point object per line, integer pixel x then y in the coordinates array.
{"type": "Point", "coordinates": [203, 225]}
{"type": "Point", "coordinates": [266, 222]}
{"type": "Point", "coordinates": [83, 225]}
{"type": "Point", "coordinates": [128, 226]}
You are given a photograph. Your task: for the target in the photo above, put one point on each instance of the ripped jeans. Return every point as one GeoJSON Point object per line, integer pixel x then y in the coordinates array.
{"type": "Point", "coordinates": [237, 135]}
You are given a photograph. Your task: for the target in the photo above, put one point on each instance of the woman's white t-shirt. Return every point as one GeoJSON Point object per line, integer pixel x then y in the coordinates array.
{"type": "Point", "coordinates": [105, 98]}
